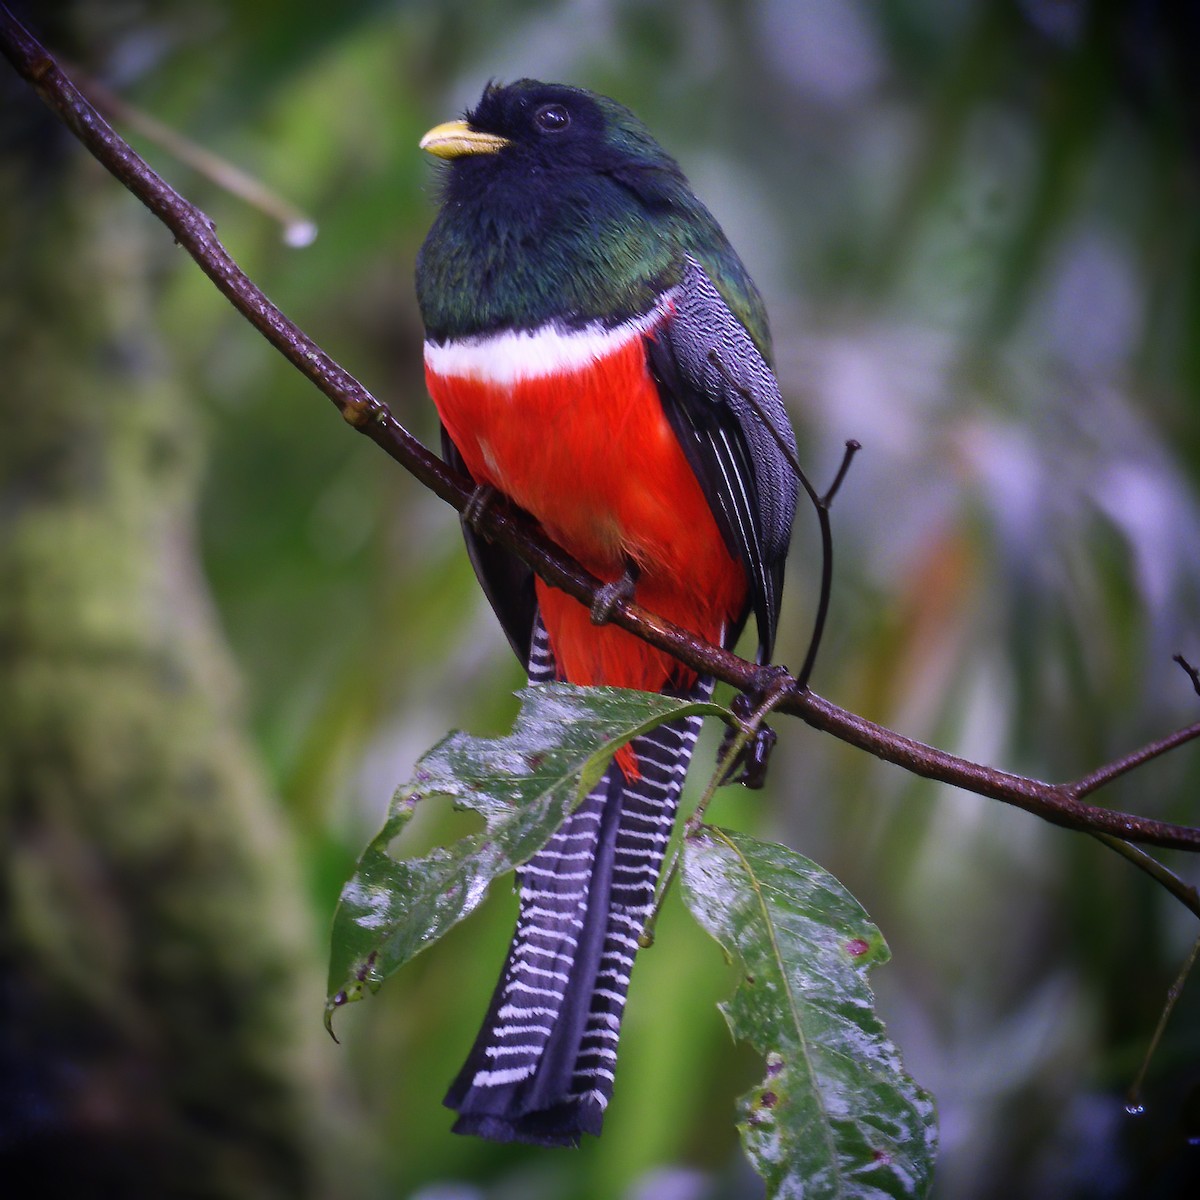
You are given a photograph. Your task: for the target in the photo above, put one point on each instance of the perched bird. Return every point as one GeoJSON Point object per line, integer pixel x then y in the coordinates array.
{"type": "Point", "coordinates": [597, 353]}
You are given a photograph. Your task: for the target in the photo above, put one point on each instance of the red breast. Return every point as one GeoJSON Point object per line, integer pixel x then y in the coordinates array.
{"type": "Point", "coordinates": [571, 427]}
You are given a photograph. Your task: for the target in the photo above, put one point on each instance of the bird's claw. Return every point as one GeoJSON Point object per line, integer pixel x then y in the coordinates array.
{"type": "Point", "coordinates": [754, 758]}
{"type": "Point", "coordinates": [749, 767]}
{"type": "Point", "coordinates": [769, 679]}
{"type": "Point", "coordinates": [479, 502]}
{"type": "Point", "coordinates": [609, 595]}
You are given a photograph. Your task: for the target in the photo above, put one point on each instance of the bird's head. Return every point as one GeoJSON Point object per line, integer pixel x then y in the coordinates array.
{"type": "Point", "coordinates": [551, 132]}
{"type": "Point", "coordinates": [557, 204]}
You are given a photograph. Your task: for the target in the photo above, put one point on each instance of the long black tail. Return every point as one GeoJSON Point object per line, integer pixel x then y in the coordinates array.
{"type": "Point", "coordinates": [542, 1067]}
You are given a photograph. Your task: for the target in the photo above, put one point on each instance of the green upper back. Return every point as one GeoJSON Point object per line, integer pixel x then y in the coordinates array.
{"type": "Point", "coordinates": [558, 205]}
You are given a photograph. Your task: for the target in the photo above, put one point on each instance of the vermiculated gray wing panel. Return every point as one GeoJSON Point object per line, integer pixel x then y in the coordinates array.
{"type": "Point", "coordinates": [705, 365]}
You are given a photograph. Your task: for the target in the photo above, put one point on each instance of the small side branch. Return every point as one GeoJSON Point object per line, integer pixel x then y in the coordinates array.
{"type": "Point", "coordinates": [1061, 804]}
{"type": "Point", "coordinates": [823, 504]}
{"type": "Point", "coordinates": [1192, 673]}
{"type": "Point", "coordinates": [820, 503]}
{"type": "Point", "coordinates": [1184, 892]}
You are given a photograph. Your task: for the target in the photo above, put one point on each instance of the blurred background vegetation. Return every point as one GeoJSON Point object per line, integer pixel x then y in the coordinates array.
{"type": "Point", "coordinates": [229, 626]}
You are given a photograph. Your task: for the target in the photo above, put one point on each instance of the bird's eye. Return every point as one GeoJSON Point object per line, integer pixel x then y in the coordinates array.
{"type": "Point", "coordinates": [552, 118]}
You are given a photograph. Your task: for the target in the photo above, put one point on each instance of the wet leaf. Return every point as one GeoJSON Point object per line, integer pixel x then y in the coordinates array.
{"type": "Point", "coordinates": [524, 785]}
{"type": "Point", "coordinates": [835, 1115]}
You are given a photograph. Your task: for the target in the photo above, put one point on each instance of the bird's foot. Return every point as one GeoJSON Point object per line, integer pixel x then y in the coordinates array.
{"type": "Point", "coordinates": [749, 767]}
{"type": "Point", "coordinates": [480, 500]}
{"type": "Point", "coordinates": [609, 595]}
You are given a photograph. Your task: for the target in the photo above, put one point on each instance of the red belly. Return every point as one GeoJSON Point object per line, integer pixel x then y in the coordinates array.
{"type": "Point", "coordinates": [591, 455]}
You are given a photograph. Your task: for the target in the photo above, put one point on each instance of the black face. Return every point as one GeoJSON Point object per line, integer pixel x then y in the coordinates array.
{"type": "Point", "coordinates": [553, 125]}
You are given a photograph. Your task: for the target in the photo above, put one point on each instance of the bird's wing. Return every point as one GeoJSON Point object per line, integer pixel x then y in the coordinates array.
{"type": "Point", "coordinates": [724, 405]}
{"type": "Point", "coordinates": [506, 581]}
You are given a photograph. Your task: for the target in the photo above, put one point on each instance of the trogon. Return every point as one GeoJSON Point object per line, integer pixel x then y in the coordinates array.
{"type": "Point", "coordinates": [598, 354]}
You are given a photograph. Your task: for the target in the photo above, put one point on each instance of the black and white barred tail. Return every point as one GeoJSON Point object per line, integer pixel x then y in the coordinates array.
{"type": "Point", "coordinates": [543, 1065]}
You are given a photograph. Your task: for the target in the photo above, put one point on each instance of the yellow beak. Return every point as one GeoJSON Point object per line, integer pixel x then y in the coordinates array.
{"type": "Point", "coordinates": [453, 139]}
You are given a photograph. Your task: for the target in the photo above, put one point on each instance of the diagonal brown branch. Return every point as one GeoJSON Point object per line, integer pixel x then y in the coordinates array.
{"type": "Point", "coordinates": [1061, 804]}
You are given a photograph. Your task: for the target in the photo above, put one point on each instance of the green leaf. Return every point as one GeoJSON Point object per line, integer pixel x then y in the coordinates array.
{"type": "Point", "coordinates": [524, 785]}
{"type": "Point", "coordinates": [836, 1116]}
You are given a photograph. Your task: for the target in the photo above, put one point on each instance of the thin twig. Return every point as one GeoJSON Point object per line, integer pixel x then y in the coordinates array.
{"type": "Point", "coordinates": [826, 593]}
{"type": "Point", "coordinates": [820, 503]}
{"type": "Point", "coordinates": [1185, 893]}
{"type": "Point", "coordinates": [853, 446]}
{"type": "Point", "coordinates": [769, 425]}
{"type": "Point", "coordinates": [744, 731]}
{"type": "Point", "coordinates": [1122, 766]}
{"type": "Point", "coordinates": [299, 229]}
{"type": "Point", "coordinates": [1133, 1100]}
{"type": "Point", "coordinates": [1060, 804]}
{"type": "Point", "coordinates": [1192, 673]}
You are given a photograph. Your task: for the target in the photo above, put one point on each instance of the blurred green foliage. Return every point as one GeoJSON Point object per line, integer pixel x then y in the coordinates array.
{"type": "Point", "coordinates": [977, 228]}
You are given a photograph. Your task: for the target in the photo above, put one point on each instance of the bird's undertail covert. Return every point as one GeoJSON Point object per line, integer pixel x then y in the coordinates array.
{"type": "Point", "coordinates": [541, 1070]}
